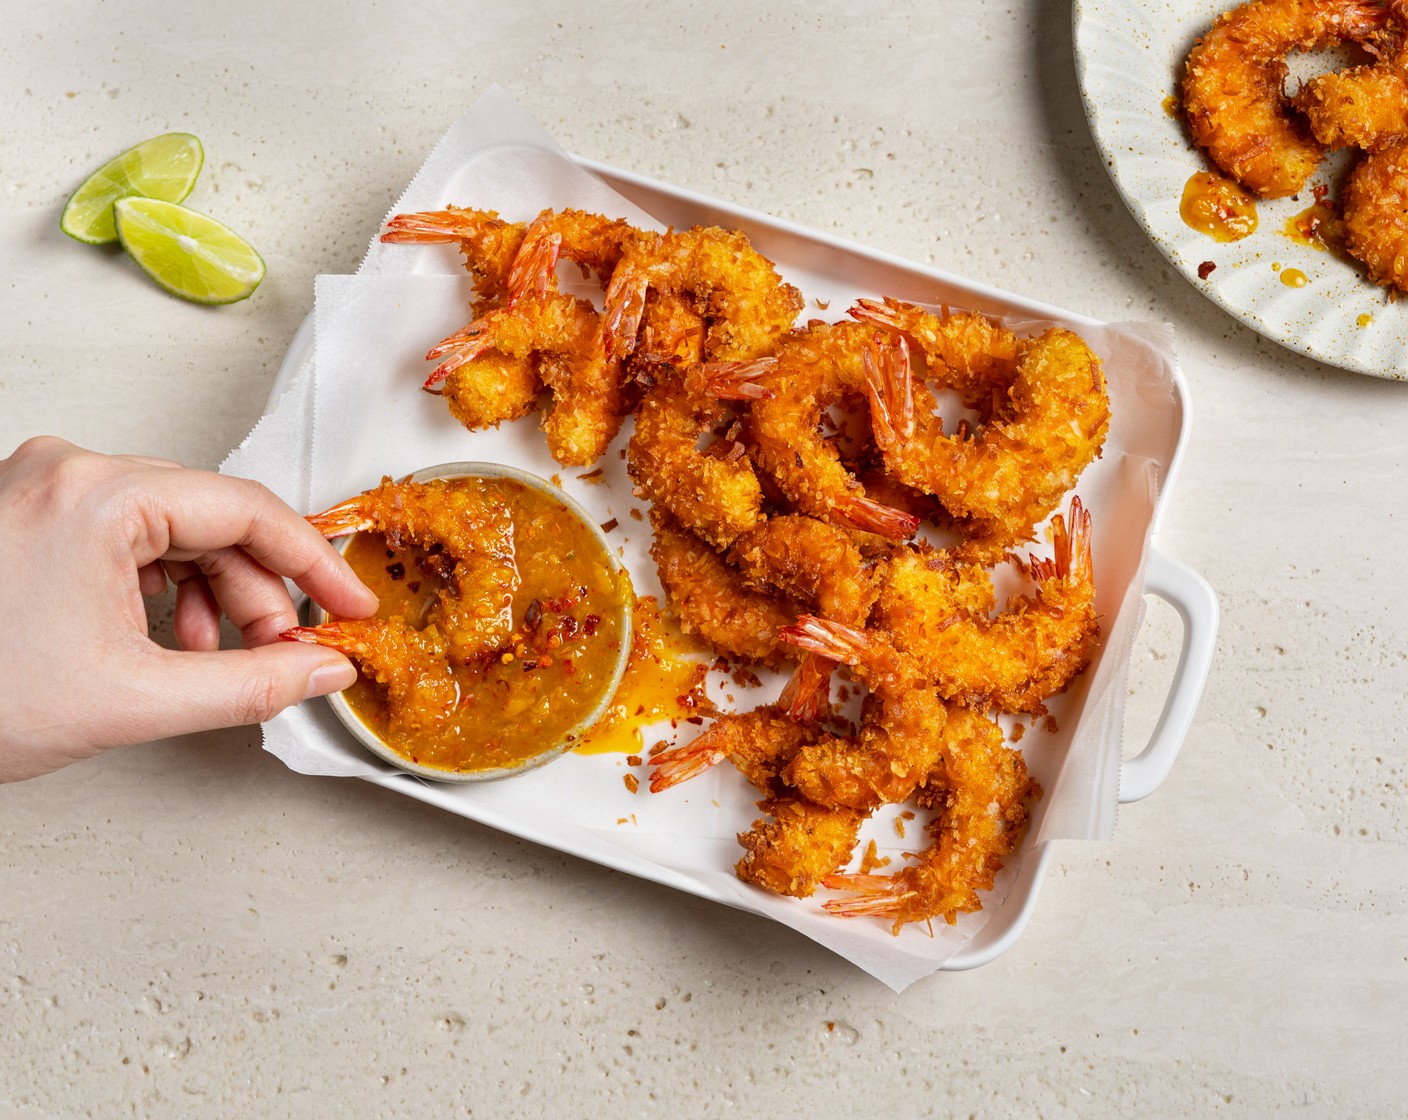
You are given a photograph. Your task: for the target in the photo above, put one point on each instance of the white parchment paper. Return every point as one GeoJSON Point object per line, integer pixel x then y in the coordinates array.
{"type": "Point", "coordinates": [355, 412]}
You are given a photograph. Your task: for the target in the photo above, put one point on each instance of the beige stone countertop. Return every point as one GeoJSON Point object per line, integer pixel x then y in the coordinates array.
{"type": "Point", "coordinates": [187, 928]}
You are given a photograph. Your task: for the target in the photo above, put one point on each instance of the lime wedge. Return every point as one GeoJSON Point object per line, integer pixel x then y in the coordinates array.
{"type": "Point", "coordinates": [163, 167]}
{"type": "Point", "coordinates": [187, 253]}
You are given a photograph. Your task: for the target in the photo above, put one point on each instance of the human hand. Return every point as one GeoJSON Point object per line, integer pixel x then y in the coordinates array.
{"type": "Point", "coordinates": [83, 537]}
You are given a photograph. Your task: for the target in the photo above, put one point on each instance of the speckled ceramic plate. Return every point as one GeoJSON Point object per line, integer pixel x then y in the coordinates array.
{"type": "Point", "coordinates": [1129, 54]}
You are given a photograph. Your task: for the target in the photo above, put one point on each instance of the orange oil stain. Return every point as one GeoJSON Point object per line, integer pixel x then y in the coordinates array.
{"type": "Point", "coordinates": [1217, 207]}
{"type": "Point", "coordinates": [1294, 278]}
{"type": "Point", "coordinates": [664, 681]}
{"type": "Point", "coordinates": [1319, 226]}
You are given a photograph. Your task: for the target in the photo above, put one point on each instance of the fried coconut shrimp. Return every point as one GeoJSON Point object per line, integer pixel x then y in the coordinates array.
{"type": "Point", "coordinates": [811, 561]}
{"type": "Point", "coordinates": [471, 531]}
{"type": "Point", "coordinates": [760, 743]}
{"type": "Point", "coordinates": [556, 341]}
{"type": "Point", "coordinates": [714, 495]}
{"type": "Point", "coordinates": [802, 842]}
{"type": "Point", "coordinates": [1043, 407]}
{"type": "Point", "coordinates": [981, 800]}
{"type": "Point", "coordinates": [711, 599]}
{"type": "Point", "coordinates": [1375, 207]}
{"type": "Point", "coordinates": [1234, 87]}
{"type": "Point", "coordinates": [898, 746]}
{"type": "Point", "coordinates": [1363, 106]}
{"type": "Point", "coordinates": [412, 665]}
{"type": "Point", "coordinates": [799, 847]}
{"type": "Point", "coordinates": [824, 365]}
{"type": "Point", "coordinates": [489, 243]}
{"type": "Point", "coordinates": [491, 246]}
{"type": "Point", "coordinates": [926, 628]}
{"type": "Point", "coordinates": [529, 335]}
{"type": "Point", "coordinates": [744, 305]}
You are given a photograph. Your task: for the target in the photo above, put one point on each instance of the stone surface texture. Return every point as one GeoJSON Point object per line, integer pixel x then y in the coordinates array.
{"type": "Point", "coordinates": [189, 929]}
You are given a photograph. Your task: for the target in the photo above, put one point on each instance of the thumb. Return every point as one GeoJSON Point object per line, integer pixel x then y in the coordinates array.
{"type": "Point", "coordinates": [174, 692]}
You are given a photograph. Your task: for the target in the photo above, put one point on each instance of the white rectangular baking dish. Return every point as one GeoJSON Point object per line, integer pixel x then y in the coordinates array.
{"type": "Point", "coordinates": [800, 254]}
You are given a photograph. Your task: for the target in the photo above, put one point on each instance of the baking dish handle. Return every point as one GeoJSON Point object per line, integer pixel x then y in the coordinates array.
{"type": "Point", "coordinates": [1193, 598]}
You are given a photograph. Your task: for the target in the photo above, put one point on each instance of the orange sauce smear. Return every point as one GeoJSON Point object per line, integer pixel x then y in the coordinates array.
{"type": "Point", "coordinates": [1217, 207]}
{"type": "Point", "coordinates": [552, 671]}
{"type": "Point", "coordinates": [664, 681]}
{"type": "Point", "coordinates": [1319, 226]}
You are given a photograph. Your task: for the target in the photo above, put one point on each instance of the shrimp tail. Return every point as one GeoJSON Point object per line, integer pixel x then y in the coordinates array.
{"type": "Point", "coordinates": [807, 694]}
{"type": "Point", "coordinates": [329, 635]}
{"type": "Point", "coordinates": [682, 763]}
{"type": "Point", "coordinates": [623, 306]}
{"type": "Point", "coordinates": [878, 896]}
{"type": "Point", "coordinates": [534, 265]}
{"type": "Point", "coordinates": [1071, 559]}
{"type": "Point", "coordinates": [351, 516]}
{"type": "Point", "coordinates": [463, 346]}
{"type": "Point", "coordinates": [425, 228]}
{"type": "Point", "coordinates": [832, 640]}
{"type": "Point", "coordinates": [889, 386]}
{"type": "Point", "coordinates": [870, 516]}
{"type": "Point", "coordinates": [738, 381]}
{"type": "Point", "coordinates": [883, 313]}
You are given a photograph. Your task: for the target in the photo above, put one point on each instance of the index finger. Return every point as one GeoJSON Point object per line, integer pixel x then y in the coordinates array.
{"type": "Point", "coordinates": [188, 513]}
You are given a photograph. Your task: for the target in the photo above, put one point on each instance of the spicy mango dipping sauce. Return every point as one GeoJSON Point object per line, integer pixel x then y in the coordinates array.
{"type": "Point", "coordinates": [538, 690]}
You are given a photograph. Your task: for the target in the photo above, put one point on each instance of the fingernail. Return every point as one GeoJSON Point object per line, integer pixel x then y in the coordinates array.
{"type": "Point", "coordinates": [330, 678]}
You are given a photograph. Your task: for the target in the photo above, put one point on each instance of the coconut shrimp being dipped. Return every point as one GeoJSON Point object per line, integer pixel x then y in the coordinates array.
{"type": "Point", "coordinates": [1234, 87]}
{"type": "Point", "coordinates": [411, 665]}
{"type": "Point", "coordinates": [471, 531]}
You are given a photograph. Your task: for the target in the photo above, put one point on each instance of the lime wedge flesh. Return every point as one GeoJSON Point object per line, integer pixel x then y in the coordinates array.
{"type": "Point", "coordinates": [163, 167]}
{"type": "Point", "coordinates": [187, 253]}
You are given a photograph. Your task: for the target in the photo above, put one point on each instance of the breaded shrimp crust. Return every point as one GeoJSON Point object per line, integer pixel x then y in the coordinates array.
{"type": "Point", "coordinates": [715, 495]}
{"type": "Point", "coordinates": [711, 599]}
{"type": "Point", "coordinates": [1363, 106]}
{"type": "Point", "coordinates": [987, 791]}
{"type": "Point", "coordinates": [1045, 414]}
{"type": "Point", "coordinates": [1234, 87]}
{"type": "Point", "coordinates": [1375, 207]}
{"type": "Point", "coordinates": [801, 845]}
{"type": "Point", "coordinates": [818, 367]}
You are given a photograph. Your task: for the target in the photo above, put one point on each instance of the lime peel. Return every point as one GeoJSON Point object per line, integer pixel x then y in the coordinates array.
{"type": "Point", "coordinates": [187, 253]}
{"type": "Point", "coordinates": [164, 167]}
